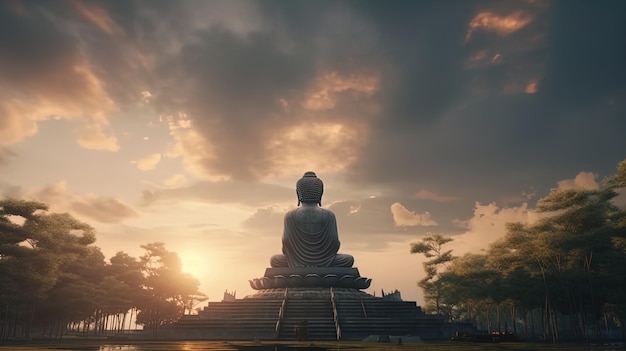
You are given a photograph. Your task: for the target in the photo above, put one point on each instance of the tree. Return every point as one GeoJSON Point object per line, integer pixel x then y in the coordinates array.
{"type": "Point", "coordinates": [167, 287]}
{"type": "Point", "coordinates": [431, 247]}
{"type": "Point", "coordinates": [36, 248]}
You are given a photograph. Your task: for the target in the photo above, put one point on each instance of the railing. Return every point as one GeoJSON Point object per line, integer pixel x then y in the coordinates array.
{"type": "Point", "coordinates": [364, 311]}
{"type": "Point", "coordinates": [335, 314]}
{"type": "Point", "coordinates": [281, 311]}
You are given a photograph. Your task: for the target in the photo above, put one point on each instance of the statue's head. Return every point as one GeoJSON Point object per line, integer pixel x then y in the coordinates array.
{"type": "Point", "coordinates": [309, 189]}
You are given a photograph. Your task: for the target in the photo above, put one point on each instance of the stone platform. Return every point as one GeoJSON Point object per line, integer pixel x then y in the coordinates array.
{"type": "Point", "coordinates": [330, 313]}
{"type": "Point", "coordinates": [300, 277]}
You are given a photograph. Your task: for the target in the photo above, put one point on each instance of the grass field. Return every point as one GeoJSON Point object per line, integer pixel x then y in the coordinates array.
{"type": "Point", "coordinates": [296, 346]}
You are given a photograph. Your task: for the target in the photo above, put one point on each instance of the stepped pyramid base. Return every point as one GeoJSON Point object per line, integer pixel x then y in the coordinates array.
{"type": "Point", "coordinates": [256, 317]}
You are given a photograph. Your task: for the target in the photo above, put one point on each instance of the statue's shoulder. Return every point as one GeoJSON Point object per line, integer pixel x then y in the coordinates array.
{"type": "Point", "coordinates": [317, 212]}
{"type": "Point", "coordinates": [327, 213]}
{"type": "Point", "coordinates": [291, 212]}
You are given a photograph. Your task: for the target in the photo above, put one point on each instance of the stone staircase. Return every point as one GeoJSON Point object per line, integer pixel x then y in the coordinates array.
{"type": "Point", "coordinates": [317, 313]}
{"type": "Point", "coordinates": [243, 319]}
{"type": "Point", "coordinates": [273, 314]}
{"type": "Point", "coordinates": [360, 318]}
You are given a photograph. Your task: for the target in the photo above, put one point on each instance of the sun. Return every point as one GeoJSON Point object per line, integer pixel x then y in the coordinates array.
{"type": "Point", "coordinates": [196, 263]}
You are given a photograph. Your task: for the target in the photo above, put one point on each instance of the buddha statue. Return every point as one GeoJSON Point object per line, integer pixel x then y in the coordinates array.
{"type": "Point", "coordinates": [310, 237]}
{"type": "Point", "coordinates": [310, 246]}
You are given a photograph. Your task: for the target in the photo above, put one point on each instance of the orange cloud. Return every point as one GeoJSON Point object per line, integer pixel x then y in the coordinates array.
{"type": "Point", "coordinates": [531, 87]}
{"type": "Point", "coordinates": [148, 163]}
{"type": "Point", "coordinates": [42, 102]}
{"type": "Point", "coordinates": [97, 16]}
{"type": "Point", "coordinates": [501, 25]}
{"type": "Point", "coordinates": [94, 138]}
{"type": "Point", "coordinates": [323, 146]}
{"type": "Point", "coordinates": [324, 95]}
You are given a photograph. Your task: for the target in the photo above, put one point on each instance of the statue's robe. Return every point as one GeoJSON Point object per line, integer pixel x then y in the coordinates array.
{"type": "Point", "coordinates": [311, 239]}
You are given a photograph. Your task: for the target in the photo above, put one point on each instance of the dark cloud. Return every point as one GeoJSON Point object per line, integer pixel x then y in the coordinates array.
{"type": "Point", "coordinates": [244, 92]}
{"type": "Point", "coordinates": [478, 109]}
{"type": "Point", "coordinates": [36, 51]}
{"type": "Point", "coordinates": [482, 139]}
{"type": "Point", "coordinates": [587, 47]}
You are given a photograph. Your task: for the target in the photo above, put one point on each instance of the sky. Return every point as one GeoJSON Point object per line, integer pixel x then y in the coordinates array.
{"type": "Point", "coordinates": [189, 122]}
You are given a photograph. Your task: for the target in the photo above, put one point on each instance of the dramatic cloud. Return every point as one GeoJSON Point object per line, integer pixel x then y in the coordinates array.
{"type": "Point", "coordinates": [45, 74]}
{"type": "Point", "coordinates": [412, 110]}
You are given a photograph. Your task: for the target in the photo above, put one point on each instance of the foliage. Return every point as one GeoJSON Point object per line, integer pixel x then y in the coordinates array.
{"type": "Point", "coordinates": [431, 247]}
{"type": "Point", "coordinates": [562, 274]}
{"type": "Point", "coordinates": [167, 289]}
{"type": "Point", "coordinates": [52, 277]}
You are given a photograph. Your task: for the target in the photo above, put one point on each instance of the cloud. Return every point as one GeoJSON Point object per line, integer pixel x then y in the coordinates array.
{"type": "Point", "coordinates": [402, 217]}
{"type": "Point", "coordinates": [470, 132]}
{"type": "Point", "coordinates": [223, 192]}
{"type": "Point", "coordinates": [430, 195]}
{"type": "Point", "coordinates": [103, 209]}
{"type": "Point", "coordinates": [175, 181]}
{"type": "Point", "coordinates": [48, 78]}
{"type": "Point", "coordinates": [148, 163]}
{"type": "Point", "coordinates": [93, 138]}
{"type": "Point", "coordinates": [583, 180]}
{"type": "Point", "coordinates": [262, 104]}
{"type": "Point", "coordinates": [15, 124]}
{"type": "Point", "coordinates": [268, 219]}
{"type": "Point", "coordinates": [500, 24]}
{"type": "Point", "coordinates": [488, 225]}
{"type": "Point", "coordinates": [389, 96]}
{"type": "Point", "coordinates": [5, 154]}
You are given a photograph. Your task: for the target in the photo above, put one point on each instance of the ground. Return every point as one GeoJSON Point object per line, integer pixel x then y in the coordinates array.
{"type": "Point", "coordinates": [76, 345]}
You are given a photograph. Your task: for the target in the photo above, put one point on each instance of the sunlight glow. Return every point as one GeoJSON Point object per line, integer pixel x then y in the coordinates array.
{"type": "Point", "coordinates": [196, 263]}
{"type": "Point", "coordinates": [329, 146]}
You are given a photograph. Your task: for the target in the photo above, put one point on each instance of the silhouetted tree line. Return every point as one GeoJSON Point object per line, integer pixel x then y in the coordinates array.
{"type": "Point", "coordinates": [560, 277]}
{"type": "Point", "coordinates": [54, 280]}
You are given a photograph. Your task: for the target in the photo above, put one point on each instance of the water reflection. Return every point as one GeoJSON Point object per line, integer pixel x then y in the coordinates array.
{"type": "Point", "coordinates": [220, 347]}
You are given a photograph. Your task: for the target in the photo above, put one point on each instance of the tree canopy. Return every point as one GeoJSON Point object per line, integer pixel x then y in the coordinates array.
{"type": "Point", "coordinates": [53, 277]}
{"type": "Point", "coordinates": [564, 273]}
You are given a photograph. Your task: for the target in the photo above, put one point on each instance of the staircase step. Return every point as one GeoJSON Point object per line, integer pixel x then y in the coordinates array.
{"type": "Point", "coordinates": [246, 319]}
